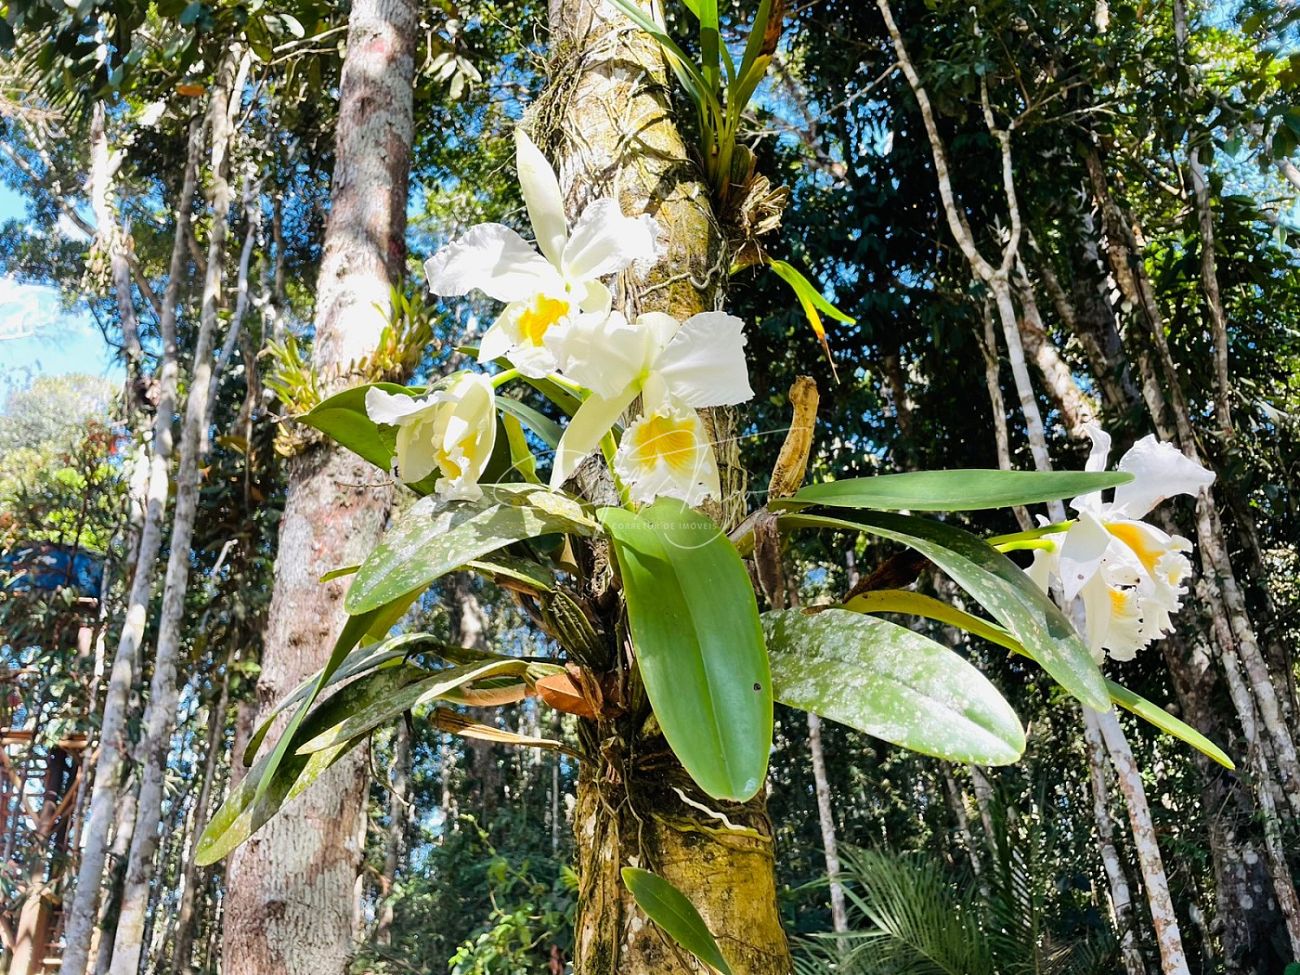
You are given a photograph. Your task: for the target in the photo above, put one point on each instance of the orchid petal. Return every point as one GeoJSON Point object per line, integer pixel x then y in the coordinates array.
{"type": "Point", "coordinates": [542, 196]}
{"type": "Point", "coordinates": [595, 417]}
{"type": "Point", "coordinates": [595, 299]}
{"type": "Point", "coordinates": [393, 408]}
{"type": "Point", "coordinates": [704, 363]}
{"type": "Point", "coordinates": [493, 259]}
{"type": "Point", "coordinates": [1159, 471]}
{"type": "Point", "coordinates": [604, 241]}
{"type": "Point", "coordinates": [604, 353]}
{"type": "Point", "coordinates": [1097, 460]}
{"type": "Point", "coordinates": [1081, 554]}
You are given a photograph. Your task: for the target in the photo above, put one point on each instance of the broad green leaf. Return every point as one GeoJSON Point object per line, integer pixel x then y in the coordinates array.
{"type": "Point", "coordinates": [890, 682]}
{"type": "Point", "coordinates": [918, 604]}
{"type": "Point", "coordinates": [956, 490]}
{"type": "Point", "coordinates": [997, 583]}
{"type": "Point", "coordinates": [372, 656]}
{"type": "Point", "coordinates": [669, 908]}
{"type": "Point", "coordinates": [437, 536]}
{"type": "Point", "coordinates": [430, 687]}
{"type": "Point", "coordinates": [911, 603]}
{"type": "Point", "coordinates": [698, 642]}
{"type": "Point", "coordinates": [344, 420]}
{"type": "Point", "coordinates": [505, 569]}
{"type": "Point", "coordinates": [270, 784]}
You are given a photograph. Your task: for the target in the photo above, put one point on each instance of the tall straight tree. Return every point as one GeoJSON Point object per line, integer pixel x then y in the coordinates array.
{"type": "Point", "coordinates": [289, 906]}
{"type": "Point", "coordinates": [160, 715]}
{"type": "Point", "coordinates": [113, 724]}
{"type": "Point", "coordinates": [609, 126]}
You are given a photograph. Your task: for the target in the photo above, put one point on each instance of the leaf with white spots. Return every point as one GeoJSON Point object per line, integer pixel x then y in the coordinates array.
{"type": "Point", "coordinates": [890, 682]}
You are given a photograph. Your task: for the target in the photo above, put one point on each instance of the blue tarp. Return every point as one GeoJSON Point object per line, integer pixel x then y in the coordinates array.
{"type": "Point", "coordinates": [44, 565]}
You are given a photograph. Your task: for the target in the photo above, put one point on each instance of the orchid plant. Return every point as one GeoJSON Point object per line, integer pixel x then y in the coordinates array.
{"type": "Point", "coordinates": [689, 624]}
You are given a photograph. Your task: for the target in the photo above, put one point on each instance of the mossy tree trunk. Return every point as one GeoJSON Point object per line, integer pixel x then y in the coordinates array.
{"type": "Point", "coordinates": [606, 120]}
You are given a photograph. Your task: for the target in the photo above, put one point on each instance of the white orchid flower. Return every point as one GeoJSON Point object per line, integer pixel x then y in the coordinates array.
{"type": "Point", "coordinates": [672, 366]}
{"type": "Point", "coordinates": [1129, 574]}
{"type": "Point", "coordinates": [667, 453]}
{"type": "Point", "coordinates": [451, 431]}
{"type": "Point", "coordinates": [542, 290]}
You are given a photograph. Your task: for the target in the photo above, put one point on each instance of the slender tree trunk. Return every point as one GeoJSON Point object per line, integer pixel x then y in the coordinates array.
{"type": "Point", "coordinates": [123, 829]}
{"type": "Point", "coordinates": [1121, 901]}
{"type": "Point", "coordinates": [185, 915]}
{"type": "Point", "coordinates": [289, 902]}
{"type": "Point", "coordinates": [826, 817]}
{"type": "Point", "coordinates": [109, 240]}
{"type": "Point", "coordinates": [398, 804]}
{"type": "Point", "coordinates": [1238, 643]}
{"type": "Point", "coordinates": [112, 746]}
{"type": "Point", "coordinates": [1173, 959]}
{"type": "Point", "coordinates": [160, 715]}
{"type": "Point", "coordinates": [1244, 910]}
{"type": "Point", "coordinates": [608, 123]}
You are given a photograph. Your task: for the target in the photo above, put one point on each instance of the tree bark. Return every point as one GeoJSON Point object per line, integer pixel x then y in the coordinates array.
{"type": "Point", "coordinates": [607, 120]}
{"type": "Point", "coordinates": [160, 715]}
{"type": "Point", "coordinates": [826, 818]}
{"type": "Point", "coordinates": [183, 951]}
{"type": "Point", "coordinates": [1121, 901]}
{"type": "Point", "coordinates": [112, 747]}
{"type": "Point", "coordinates": [290, 887]}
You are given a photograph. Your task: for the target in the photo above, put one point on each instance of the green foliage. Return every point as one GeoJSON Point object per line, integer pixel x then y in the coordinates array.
{"type": "Point", "coordinates": [1000, 587]}
{"type": "Point", "coordinates": [699, 643]}
{"type": "Point", "coordinates": [890, 682]}
{"type": "Point", "coordinates": [669, 908]}
{"type": "Point", "coordinates": [956, 490]}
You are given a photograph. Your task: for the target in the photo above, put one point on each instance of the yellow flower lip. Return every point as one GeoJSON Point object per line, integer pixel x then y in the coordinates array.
{"type": "Point", "coordinates": [1132, 536]}
{"type": "Point", "coordinates": [664, 438]}
{"type": "Point", "coordinates": [542, 313]}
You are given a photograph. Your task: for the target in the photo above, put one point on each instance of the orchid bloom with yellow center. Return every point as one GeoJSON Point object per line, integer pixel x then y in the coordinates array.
{"type": "Point", "coordinates": [667, 453]}
{"type": "Point", "coordinates": [1129, 574]}
{"type": "Point", "coordinates": [450, 431]}
{"type": "Point", "coordinates": [546, 290]}
{"type": "Point", "coordinates": [676, 368]}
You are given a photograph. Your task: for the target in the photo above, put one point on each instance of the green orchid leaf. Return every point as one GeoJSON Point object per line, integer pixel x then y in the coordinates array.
{"type": "Point", "coordinates": [997, 583]}
{"type": "Point", "coordinates": [1158, 717]}
{"type": "Point", "coordinates": [698, 642]}
{"type": "Point", "coordinates": [437, 536]}
{"type": "Point", "coordinates": [669, 908]}
{"type": "Point", "coordinates": [890, 682]}
{"type": "Point", "coordinates": [272, 782]}
{"type": "Point", "coordinates": [955, 490]}
{"type": "Point", "coordinates": [429, 687]}
{"type": "Point", "coordinates": [546, 428]}
{"type": "Point", "coordinates": [917, 604]}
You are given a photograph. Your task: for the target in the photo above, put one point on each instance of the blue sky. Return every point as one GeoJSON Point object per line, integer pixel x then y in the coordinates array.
{"type": "Point", "coordinates": [39, 333]}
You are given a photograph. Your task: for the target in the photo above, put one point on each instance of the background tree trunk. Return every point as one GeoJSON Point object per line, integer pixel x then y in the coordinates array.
{"type": "Point", "coordinates": [160, 715]}
{"type": "Point", "coordinates": [290, 888]}
{"type": "Point", "coordinates": [112, 736]}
